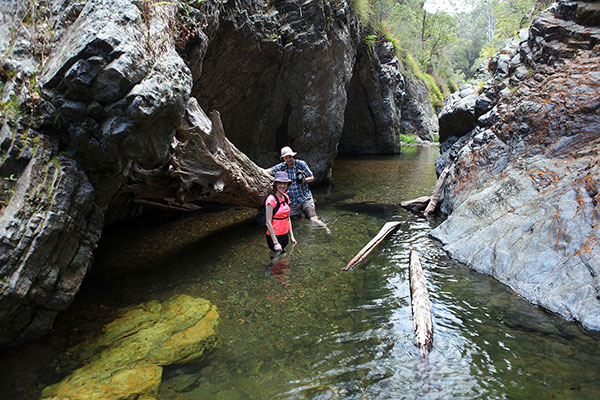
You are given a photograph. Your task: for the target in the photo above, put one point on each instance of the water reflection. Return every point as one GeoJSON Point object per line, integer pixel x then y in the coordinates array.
{"type": "Point", "coordinates": [303, 329]}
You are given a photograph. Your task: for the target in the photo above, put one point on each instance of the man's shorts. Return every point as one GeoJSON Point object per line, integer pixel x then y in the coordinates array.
{"type": "Point", "coordinates": [307, 207]}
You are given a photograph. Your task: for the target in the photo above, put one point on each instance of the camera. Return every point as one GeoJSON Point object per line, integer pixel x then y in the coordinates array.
{"type": "Point", "coordinates": [299, 178]}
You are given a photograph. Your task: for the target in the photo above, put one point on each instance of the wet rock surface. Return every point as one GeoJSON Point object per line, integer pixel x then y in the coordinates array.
{"type": "Point", "coordinates": [126, 361]}
{"type": "Point", "coordinates": [522, 193]}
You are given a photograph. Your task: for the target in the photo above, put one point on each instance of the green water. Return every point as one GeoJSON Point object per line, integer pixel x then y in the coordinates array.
{"type": "Point", "coordinates": [304, 329]}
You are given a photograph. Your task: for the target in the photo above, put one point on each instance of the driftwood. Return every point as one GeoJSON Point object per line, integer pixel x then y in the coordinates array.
{"type": "Point", "coordinates": [385, 230]}
{"type": "Point", "coordinates": [417, 205]}
{"type": "Point", "coordinates": [437, 191]}
{"type": "Point", "coordinates": [428, 203]}
{"type": "Point", "coordinates": [169, 206]}
{"type": "Point", "coordinates": [420, 305]}
{"type": "Point", "coordinates": [202, 165]}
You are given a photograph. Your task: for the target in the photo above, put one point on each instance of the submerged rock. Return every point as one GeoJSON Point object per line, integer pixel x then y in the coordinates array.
{"type": "Point", "coordinates": [126, 361]}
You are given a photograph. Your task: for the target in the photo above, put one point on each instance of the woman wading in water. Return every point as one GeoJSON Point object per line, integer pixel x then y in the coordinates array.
{"type": "Point", "coordinates": [277, 213]}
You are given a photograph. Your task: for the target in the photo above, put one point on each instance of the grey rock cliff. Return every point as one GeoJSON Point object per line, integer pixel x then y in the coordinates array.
{"type": "Point", "coordinates": [523, 190]}
{"type": "Point", "coordinates": [382, 103]}
{"type": "Point", "coordinates": [299, 74]}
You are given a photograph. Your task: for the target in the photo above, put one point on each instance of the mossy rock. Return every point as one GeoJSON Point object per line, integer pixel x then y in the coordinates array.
{"type": "Point", "coordinates": [126, 361]}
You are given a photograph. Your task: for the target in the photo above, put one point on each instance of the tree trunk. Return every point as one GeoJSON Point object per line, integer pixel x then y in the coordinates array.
{"type": "Point", "coordinates": [416, 205]}
{"type": "Point", "coordinates": [364, 252]}
{"type": "Point", "coordinates": [437, 191]}
{"type": "Point", "coordinates": [203, 165]}
{"type": "Point", "coordinates": [420, 305]}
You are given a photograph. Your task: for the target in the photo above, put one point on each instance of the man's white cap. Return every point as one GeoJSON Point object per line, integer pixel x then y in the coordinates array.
{"type": "Point", "coordinates": [287, 151]}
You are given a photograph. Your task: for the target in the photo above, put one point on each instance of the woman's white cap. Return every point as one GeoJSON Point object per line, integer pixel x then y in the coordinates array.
{"type": "Point", "coordinates": [287, 151]}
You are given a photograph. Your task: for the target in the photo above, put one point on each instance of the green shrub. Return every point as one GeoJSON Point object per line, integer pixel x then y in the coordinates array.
{"type": "Point", "coordinates": [407, 138]}
{"type": "Point", "coordinates": [452, 85]}
{"type": "Point", "coordinates": [435, 95]}
{"type": "Point", "coordinates": [363, 9]}
{"type": "Point", "coordinates": [370, 41]}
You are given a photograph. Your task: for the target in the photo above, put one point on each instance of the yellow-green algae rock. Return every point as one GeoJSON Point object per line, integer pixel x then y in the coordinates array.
{"type": "Point", "coordinates": [126, 361]}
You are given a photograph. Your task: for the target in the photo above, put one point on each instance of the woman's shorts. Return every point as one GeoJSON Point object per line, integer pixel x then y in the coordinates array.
{"type": "Point", "coordinates": [282, 239]}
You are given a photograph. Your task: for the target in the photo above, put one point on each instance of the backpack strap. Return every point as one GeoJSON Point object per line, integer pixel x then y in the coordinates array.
{"type": "Point", "coordinates": [279, 203]}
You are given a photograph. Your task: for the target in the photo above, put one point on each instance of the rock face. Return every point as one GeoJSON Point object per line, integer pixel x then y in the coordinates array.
{"type": "Point", "coordinates": [103, 115]}
{"type": "Point", "coordinates": [383, 103]}
{"type": "Point", "coordinates": [523, 191]}
{"type": "Point", "coordinates": [126, 361]}
{"type": "Point", "coordinates": [280, 78]}
{"type": "Point", "coordinates": [298, 74]}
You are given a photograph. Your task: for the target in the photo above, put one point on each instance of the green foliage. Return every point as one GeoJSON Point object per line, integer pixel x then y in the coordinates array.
{"type": "Point", "coordinates": [407, 138]}
{"type": "Point", "coordinates": [452, 85]}
{"type": "Point", "coordinates": [56, 162]}
{"type": "Point", "coordinates": [363, 9]}
{"type": "Point", "coordinates": [436, 137]}
{"type": "Point", "coordinates": [4, 284]}
{"type": "Point", "coordinates": [435, 95]}
{"type": "Point", "coordinates": [505, 18]}
{"type": "Point", "coordinates": [480, 85]}
{"type": "Point", "coordinates": [487, 52]}
{"type": "Point", "coordinates": [419, 38]}
{"type": "Point", "coordinates": [411, 64]}
{"type": "Point", "coordinates": [370, 41]}
{"type": "Point", "coordinates": [10, 110]}
{"type": "Point", "coordinates": [511, 16]}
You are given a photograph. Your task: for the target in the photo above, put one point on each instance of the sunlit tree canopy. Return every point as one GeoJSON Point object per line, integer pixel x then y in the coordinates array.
{"type": "Point", "coordinates": [444, 41]}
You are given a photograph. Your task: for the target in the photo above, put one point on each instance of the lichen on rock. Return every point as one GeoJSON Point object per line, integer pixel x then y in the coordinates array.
{"type": "Point", "coordinates": [126, 361]}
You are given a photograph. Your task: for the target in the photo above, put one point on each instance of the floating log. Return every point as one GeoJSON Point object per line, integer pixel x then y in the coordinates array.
{"type": "Point", "coordinates": [437, 191]}
{"type": "Point", "coordinates": [385, 230]}
{"type": "Point", "coordinates": [420, 305]}
{"type": "Point", "coordinates": [417, 205]}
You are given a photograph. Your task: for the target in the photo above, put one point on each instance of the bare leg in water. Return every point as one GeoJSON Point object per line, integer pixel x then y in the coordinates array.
{"type": "Point", "coordinates": [315, 220]}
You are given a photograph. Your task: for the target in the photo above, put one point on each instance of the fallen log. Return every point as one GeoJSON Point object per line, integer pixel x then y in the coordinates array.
{"type": "Point", "coordinates": [202, 165]}
{"type": "Point", "coordinates": [437, 191]}
{"type": "Point", "coordinates": [420, 305]}
{"type": "Point", "coordinates": [387, 228]}
{"type": "Point", "coordinates": [417, 205]}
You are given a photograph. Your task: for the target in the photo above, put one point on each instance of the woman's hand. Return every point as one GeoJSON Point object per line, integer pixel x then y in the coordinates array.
{"type": "Point", "coordinates": [293, 239]}
{"type": "Point", "coordinates": [277, 247]}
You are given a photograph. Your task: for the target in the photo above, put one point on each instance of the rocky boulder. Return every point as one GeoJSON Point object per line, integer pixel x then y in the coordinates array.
{"type": "Point", "coordinates": [279, 76]}
{"type": "Point", "coordinates": [104, 111]}
{"type": "Point", "coordinates": [119, 88]}
{"type": "Point", "coordinates": [126, 361]}
{"type": "Point", "coordinates": [523, 189]}
{"type": "Point", "coordinates": [299, 74]}
{"type": "Point", "coordinates": [417, 114]}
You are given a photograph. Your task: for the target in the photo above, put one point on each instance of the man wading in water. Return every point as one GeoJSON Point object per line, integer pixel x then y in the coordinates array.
{"type": "Point", "coordinates": [301, 200]}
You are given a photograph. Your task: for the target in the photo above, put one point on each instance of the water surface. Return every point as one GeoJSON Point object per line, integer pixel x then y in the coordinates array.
{"type": "Point", "coordinates": [304, 329]}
